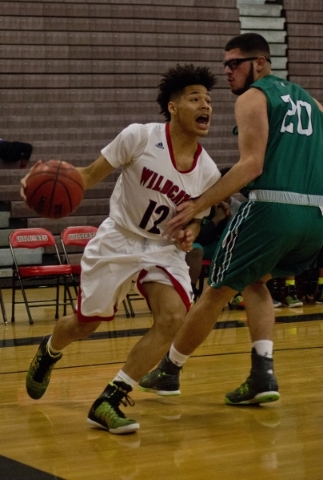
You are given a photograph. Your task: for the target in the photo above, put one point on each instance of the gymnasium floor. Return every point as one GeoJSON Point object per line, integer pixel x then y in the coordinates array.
{"type": "Point", "coordinates": [193, 436]}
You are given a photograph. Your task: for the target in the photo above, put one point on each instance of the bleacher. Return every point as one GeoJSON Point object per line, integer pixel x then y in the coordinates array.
{"type": "Point", "coordinates": [75, 72]}
{"type": "Point", "coordinates": [304, 23]}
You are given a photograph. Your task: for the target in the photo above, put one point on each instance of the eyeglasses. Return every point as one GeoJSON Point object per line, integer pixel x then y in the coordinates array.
{"type": "Point", "coordinates": [235, 62]}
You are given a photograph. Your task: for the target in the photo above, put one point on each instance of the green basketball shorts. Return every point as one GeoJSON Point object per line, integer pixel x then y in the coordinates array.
{"type": "Point", "coordinates": [266, 237]}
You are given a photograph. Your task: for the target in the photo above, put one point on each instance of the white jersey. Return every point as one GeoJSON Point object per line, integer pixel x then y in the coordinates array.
{"type": "Point", "coordinates": [150, 187]}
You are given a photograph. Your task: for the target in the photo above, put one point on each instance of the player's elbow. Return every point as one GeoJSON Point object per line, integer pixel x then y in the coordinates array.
{"type": "Point", "coordinates": [253, 170]}
{"type": "Point", "coordinates": [258, 171]}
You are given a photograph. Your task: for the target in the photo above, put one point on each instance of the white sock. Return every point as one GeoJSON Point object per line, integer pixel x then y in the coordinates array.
{"type": "Point", "coordinates": [264, 348]}
{"type": "Point", "coordinates": [123, 377]}
{"type": "Point", "coordinates": [52, 352]}
{"type": "Point", "coordinates": [176, 357]}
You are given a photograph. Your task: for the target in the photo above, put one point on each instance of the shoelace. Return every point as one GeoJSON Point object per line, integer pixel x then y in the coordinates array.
{"type": "Point", "coordinates": [126, 399]}
{"type": "Point", "coordinates": [110, 407]}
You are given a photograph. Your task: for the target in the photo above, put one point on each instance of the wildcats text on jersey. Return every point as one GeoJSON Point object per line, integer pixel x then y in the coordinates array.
{"type": "Point", "coordinates": [154, 181]}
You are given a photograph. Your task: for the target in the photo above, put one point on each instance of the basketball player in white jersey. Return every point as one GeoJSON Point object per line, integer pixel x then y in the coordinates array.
{"type": "Point", "coordinates": [162, 165]}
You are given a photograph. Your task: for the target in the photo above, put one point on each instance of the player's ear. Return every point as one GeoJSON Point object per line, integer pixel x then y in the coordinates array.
{"type": "Point", "coordinates": [172, 107]}
{"type": "Point", "coordinates": [260, 63]}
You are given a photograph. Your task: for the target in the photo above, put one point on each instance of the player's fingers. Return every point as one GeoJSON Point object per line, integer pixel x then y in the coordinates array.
{"type": "Point", "coordinates": [188, 235]}
{"type": "Point", "coordinates": [22, 193]}
{"type": "Point", "coordinates": [177, 221]}
{"type": "Point", "coordinates": [170, 231]}
{"type": "Point", "coordinates": [186, 246]}
{"type": "Point", "coordinates": [23, 181]}
{"type": "Point", "coordinates": [185, 213]}
{"type": "Point", "coordinates": [182, 206]}
{"type": "Point", "coordinates": [180, 235]}
{"type": "Point", "coordinates": [34, 166]}
{"type": "Point", "coordinates": [185, 239]}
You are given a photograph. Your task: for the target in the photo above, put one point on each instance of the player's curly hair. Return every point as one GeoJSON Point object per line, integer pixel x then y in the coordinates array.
{"type": "Point", "coordinates": [176, 79]}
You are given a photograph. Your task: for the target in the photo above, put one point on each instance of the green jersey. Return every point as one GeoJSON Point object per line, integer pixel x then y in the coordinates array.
{"type": "Point", "coordinates": [294, 153]}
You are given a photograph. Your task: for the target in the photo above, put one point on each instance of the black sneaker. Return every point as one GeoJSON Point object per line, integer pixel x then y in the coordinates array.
{"type": "Point", "coordinates": [319, 296]}
{"type": "Point", "coordinates": [38, 375]}
{"type": "Point", "coordinates": [105, 410]}
{"type": "Point", "coordinates": [261, 385]}
{"type": "Point", "coordinates": [164, 380]}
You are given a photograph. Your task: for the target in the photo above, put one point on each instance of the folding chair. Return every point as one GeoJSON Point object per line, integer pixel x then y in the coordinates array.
{"type": "Point", "coordinates": [74, 240]}
{"type": "Point", "coordinates": [43, 274]}
{"type": "Point", "coordinates": [132, 296]}
{"type": "Point", "coordinates": [77, 237]}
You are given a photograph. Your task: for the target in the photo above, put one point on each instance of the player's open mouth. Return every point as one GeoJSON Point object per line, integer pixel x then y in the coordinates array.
{"type": "Point", "coordinates": [203, 121]}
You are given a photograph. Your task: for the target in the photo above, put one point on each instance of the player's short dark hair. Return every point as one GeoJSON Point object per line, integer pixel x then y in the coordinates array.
{"type": "Point", "coordinates": [176, 79]}
{"type": "Point", "coordinates": [250, 44]}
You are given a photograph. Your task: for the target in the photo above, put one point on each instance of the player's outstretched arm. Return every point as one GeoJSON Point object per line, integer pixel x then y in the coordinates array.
{"type": "Point", "coordinates": [91, 175]}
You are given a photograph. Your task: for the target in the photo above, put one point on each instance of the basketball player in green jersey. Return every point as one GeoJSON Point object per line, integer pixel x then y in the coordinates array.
{"type": "Point", "coordinates": [278, 232]}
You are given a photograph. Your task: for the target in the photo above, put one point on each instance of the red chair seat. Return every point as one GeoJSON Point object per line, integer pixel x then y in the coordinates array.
{"type": "Point", "coordinates": [206, 262]}
{"type": "Point", "coordinates": [41, 270]}
{"type": "Point", "coordinates": [46, 274]}
{"type": "Point", "coordinates": [76, 269]}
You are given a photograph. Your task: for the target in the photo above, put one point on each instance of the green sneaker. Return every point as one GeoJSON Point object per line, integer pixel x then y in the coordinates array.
{"type": "Point", "coordinates": [291, 299]}
{"type": "Point", "coordinates": [261, 385]}
{"type": "Point", "coordinates": [38, 375]}
{"type": "Point", "coordinates": [237, 302]}
{"type": "Point", "coordinates": [105, 410]}
{"type": "Point", "coordinates": [164, 380]}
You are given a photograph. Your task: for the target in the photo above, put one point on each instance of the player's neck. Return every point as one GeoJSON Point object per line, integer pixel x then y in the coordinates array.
{"type": "Point", "coordinates": [183, 163]}
{"type": "Point", "coordinates": [184, 149]}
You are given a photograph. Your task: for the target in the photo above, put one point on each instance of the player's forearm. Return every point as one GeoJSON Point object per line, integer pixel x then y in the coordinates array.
{"type": "Point", "coordinates": [95, 172]}
{"type": "Point", "coordinates": [239, 176]}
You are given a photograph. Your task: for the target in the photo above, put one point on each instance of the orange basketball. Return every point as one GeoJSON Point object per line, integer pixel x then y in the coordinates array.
{"type": "Point", "coordinates": [54, 189]}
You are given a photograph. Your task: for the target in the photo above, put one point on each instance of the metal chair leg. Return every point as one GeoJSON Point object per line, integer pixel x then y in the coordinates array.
{"type": "Point", "coordinates": [3, 309]}
{"type": "Point", "coordinates": [132, 312]}
{"type": "Point", "coordinates": [124, 303]}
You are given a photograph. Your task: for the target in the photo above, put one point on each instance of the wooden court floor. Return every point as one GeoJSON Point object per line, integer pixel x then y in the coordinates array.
{"type": "Point", "coordinates": [194, 436]}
